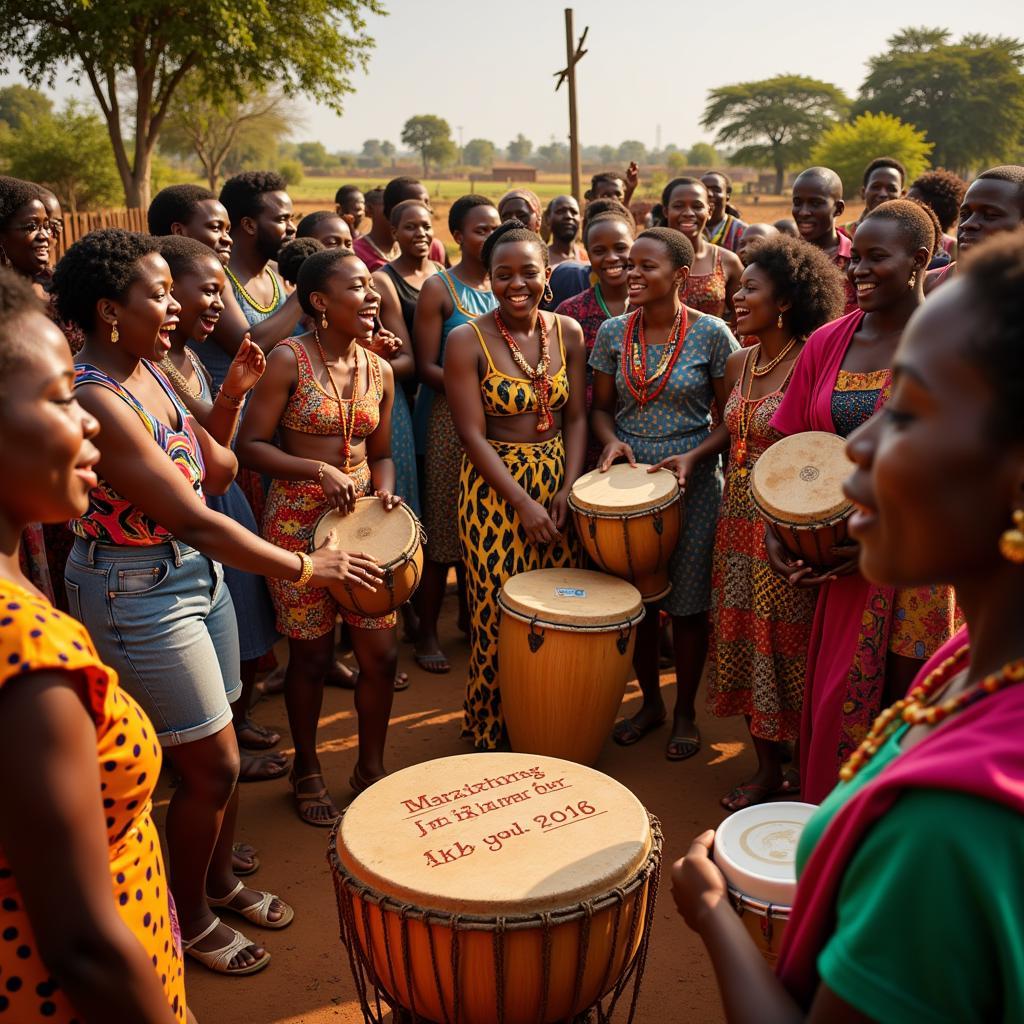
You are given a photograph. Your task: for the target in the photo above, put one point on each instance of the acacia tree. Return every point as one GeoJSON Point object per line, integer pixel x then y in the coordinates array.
{"type": "Point", "coordinates": [430, 136]}
{"type": "Point", "coordinates": [776, 121]}
{"type": "Point", "coordinates": [214, 128]}
{"type": "Point", "coordinates": [152, 46]}
{"type": "Point", "coordinates": [967, 97]}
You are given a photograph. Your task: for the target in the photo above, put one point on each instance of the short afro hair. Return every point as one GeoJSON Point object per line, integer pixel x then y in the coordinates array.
{"type": "Point", "coordinates": [884, 161]}
{"type": "Point", "coordinates": [314, 272]}
{"type": "Point", "coordinates": [185, 254]}
{"type": "Point", "coordinates": [294, 254]}
{"type": "Point", "coordinates": [802, 275]}
{"type": "Point", "coordinates": [395, 216]}
{"type": "Point", "coordinates": [102, 265]}
{"type": "Point", "coordinates": [397, 190]}
{"type": "Point", "coordinates": [943, 191]}
{"type": "Point", "coordinates": [461, 207]}
{"type": "Point", "coordinates": [606, 218]}
{"type": "Point", "coordinates": [666, 192]}
{"type": "Point", "coordinates": [17, 299]}
{"type": "Point", "coordinates": [603, 177]}
{"type": "Point", "coordinates": [918, 225]}
{"type": "Point", "coordinates": [679, 249]}
{"type": "Point", "coordinates": [1013, 173]}
{"type": "Point", "coordinates": [345, 193]}
{"type": "Point", "coordinates": [511, 231]}
{"type": "Point", "coordinates": [14, 194]}
{"type": "Point", "coordinates": [175, 205]}
{"type": "Point", "coordinates": [242, 195]}
{"type": "Point", "coordinates": [310, 221]}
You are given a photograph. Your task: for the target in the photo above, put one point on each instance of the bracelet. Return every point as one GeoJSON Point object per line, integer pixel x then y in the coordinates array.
{"type": "Point", "coordinates": [320, 473]}
{"type": "Point", "coordinates": [306, 574]}
{"type": "Point", "coordinates": [235, 403]}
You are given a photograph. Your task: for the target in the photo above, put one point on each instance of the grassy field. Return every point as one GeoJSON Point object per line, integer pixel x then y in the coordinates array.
{"type": "Point", "coordinates": [312, 189]}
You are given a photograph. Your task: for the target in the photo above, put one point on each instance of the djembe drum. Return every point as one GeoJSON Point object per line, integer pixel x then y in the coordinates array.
{"type": "Point", "coordinates": [500, 887]}
{"type": "Point", "coordinates": [629, 520]}
{"type": "Point", "coordinates": [565, 654]}
{"type": "Point", "coordinates": [394, 539]}
{"type": "Point", "coordinates": [797, 486]}
{"type": "Point", "coordinates": [755, 848]}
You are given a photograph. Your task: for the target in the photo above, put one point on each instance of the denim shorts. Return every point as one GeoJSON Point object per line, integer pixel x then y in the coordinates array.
{"type": "Point", "coordinates": [161, 616]}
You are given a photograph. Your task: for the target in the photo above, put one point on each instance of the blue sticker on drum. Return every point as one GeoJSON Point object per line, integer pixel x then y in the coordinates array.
{"type": "Point", "coordinates": [570, 592]}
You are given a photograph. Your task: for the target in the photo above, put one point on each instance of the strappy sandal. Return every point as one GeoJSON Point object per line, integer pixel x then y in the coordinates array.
{"type": "Point", "coordinates": [627, 732]}
{"type": "Point", "coordinates": [218, 960]}
{"type": "Point", "coordinates": [244, 852]}
{"type": "Point", "coordinates": [359, 782]}
{"type": "Point", "coordinates": [435, 664]}
{"type": "Point", "coordinates": [265, 739]}
{"type": "Point", "coordinates": [256, 913]}
{"type": "Point", "coordinates": [304, 800]}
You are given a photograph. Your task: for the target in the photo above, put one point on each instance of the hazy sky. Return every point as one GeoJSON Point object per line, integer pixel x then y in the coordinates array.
{"type": "Point", "coordinates": [489, 66]}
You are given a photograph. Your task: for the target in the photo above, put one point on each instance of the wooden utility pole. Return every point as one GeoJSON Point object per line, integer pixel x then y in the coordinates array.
{"type": "Point", "coordinates": [568, 74]}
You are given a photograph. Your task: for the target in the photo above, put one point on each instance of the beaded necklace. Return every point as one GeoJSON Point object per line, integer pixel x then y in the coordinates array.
{"type": "Point", "coordinates": [265, 310]}
{"type": "Point", "coordinates": [538, 375]}
{"type": "Point", "coordinates": [749, 406]}
{"type": "Point", "coordinates": [634, 356]}
{"type": "Point", "coordinates": [600, 301]}
{"type": "Point", "coordinates": [915, 708]}
{"type": "Point", "coordinates": [763, 371]}
{"type": "Point", "coordinates": [348, 419]}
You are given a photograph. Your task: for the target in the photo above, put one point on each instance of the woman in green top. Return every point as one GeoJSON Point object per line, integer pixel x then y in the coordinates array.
{"type": "Point", "coordinates": [910, 896]}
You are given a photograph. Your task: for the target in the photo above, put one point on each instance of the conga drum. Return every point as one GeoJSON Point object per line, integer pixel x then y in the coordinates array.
{"type": "Point", "coordinates": [755, 848]}
{"type": "Point", "coordinates": [497, 887]}
{"type": "Point", "coordinates": [565, 654]}
{"type": "Point", "coordinates": [797, 486]}
{"type": "Point", "coordinates": [628, 520]}
{"type": "Point", "coordinates": [394, 539]}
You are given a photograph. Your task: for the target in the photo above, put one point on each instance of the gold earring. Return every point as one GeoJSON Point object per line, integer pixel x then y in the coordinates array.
{"type": "Point", "coordinates": [323, 320]}
{"type": "Point", "coordinates": [778, 322]}
{"type": "Point", "coordinates": [1011, 543]}
{"type": "Point", "coordinates": [913, 279]}
{"type": "Point", "coordinates": [113, 333]}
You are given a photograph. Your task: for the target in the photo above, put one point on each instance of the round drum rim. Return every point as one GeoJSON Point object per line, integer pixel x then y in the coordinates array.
{"type": "Point", "coordinates": [648, 871]}
{"type": "Point", "coordinates": [743, 901]}
{"type": "Point", "coordinates": [570, 627]}
{"type": "Point", "coordinates": [624, 513]}
{"type": "Point", "coordinates": [801, 524]}
{"type": "Point", "coordinates": [418, 540]}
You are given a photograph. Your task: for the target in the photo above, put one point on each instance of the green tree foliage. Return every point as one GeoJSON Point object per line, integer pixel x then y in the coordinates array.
{"type": "Point", "coordinates": [313, 155]}
{"type": "Point", "coordinates": [519, 148]}
{"type": "Point", "coordinates": [554, 156]}
{"type": "Point", "coordinates": [135, 54]}
{"type": "Point", "coordinates": [631, 149]}
{"type": "Point", "coordinates": [20, 106]}
{"type": "Point", "coordinates": [676, 162]}
{"type": "Point", "coordinates": [702, 154]}
{"type": "Point", "coordinates": [220, 131]}
{"type": "Point", "coordinates": [776, 121]}
{"type": "Point", "coordinates": [70, 154]}
{"type": "Point", "coordinates": [291, 171]}
{"type": "Point", "coordinates": [430, 136]}
{"type": "Point", "coordinates": [967, 96]}
{"type": "Point", "coordinates": [479, 153]}
{"type": "Point", "coordinates": [848, 148]}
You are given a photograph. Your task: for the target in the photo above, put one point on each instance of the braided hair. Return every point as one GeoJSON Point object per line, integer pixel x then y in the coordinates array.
{"type": "Point", "coordinates": [294, 254]}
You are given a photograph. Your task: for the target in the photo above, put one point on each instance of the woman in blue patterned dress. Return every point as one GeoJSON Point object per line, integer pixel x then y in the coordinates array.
{"type": "Point", "coordinates": [663, 417]}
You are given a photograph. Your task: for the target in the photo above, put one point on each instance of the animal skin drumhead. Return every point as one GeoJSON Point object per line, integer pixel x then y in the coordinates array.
{"type": "Point", "coordinates": [370, 529]}
{"type": "Point", "coordinates": [495, 834]}
{"type": "Point", "coordinates": [572, 597]}
{"type": "Point", "coordinates": [799, 479]}
{"type": "Point", "coordinates": [624, 488]}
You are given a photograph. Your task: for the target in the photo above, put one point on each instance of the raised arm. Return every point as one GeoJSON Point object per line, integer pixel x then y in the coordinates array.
{"type": "Point", "coordinates": [233, 327]}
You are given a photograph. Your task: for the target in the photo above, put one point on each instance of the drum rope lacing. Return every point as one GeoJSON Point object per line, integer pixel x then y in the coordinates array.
{"type": "Point", "coordinates": [348, 890]}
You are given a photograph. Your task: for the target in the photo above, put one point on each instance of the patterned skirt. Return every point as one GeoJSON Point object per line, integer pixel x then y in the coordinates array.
{"type": "Point", "coordinates": [403, 451]}
{"type": "Point", "coordinates": [441, 485]}
{"type": "Point", "coordinates": [495, 549]}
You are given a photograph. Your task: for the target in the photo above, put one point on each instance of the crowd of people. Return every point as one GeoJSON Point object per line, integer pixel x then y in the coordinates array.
{"type": "Point", "coordinates": [180, 408]}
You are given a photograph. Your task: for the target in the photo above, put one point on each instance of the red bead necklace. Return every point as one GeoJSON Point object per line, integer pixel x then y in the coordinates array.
{"type": "Point", "coordinates": [538, 375]}
{"type": "Point", "coordinates": [634, 356]}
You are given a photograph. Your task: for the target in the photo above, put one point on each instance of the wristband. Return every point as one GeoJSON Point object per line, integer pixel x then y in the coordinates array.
{"type": "Point", "coordinates": [306, 573]}
{"type": "Point", "coordinates": [235, 403]}
{"type": "Point", "coordinates": [320, 474]}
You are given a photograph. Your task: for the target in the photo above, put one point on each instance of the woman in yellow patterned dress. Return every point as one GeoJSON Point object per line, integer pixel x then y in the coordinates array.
{"type": "Point", "coordinates": [88, 930]}
{"type": "Point", "coordinates": [516, 383]}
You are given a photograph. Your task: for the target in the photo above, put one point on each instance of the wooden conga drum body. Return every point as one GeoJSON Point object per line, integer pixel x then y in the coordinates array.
{"type": "Point", "coordinates": [565, 654]}
{"type": "Point", "coordinates": [797, 486]}
{"type": "Point", "coordinates": [628, 520]}
{"type": "Point", "coordinates": [394, 539]}
{"type": "Point", "coordinates": [755, 848]}
{"type": "Point", "coordinates": [503, 887]}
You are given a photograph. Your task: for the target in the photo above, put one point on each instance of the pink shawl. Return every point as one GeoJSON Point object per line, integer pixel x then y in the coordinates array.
{"type": "Point", "coordinates": [977, 752]}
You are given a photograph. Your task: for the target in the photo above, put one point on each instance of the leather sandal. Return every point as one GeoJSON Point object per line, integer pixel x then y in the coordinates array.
{"type": "Point", "coordinates": [305, 800]}
{"type": "Point", "coordinates": [218, 960]}
{"type": "Point", "coordinates": [256, 913]}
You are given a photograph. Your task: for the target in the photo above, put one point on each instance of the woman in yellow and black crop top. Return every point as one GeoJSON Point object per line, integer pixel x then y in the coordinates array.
{"type": "Point", "coordinates": [516, 383]}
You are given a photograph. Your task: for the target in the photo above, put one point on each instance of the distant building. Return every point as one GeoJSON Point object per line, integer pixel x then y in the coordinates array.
{"type": "Point", "coordinates": [513, 172]}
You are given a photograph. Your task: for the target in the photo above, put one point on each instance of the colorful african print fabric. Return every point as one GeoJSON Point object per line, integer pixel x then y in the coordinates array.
{"type": "Point", "coordinates": [727, 232]}
{"type": "Point", "coordinates": [706, 292]}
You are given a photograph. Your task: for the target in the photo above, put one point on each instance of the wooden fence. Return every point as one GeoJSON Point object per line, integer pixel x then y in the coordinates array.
{"type": "Point", "coordinates": [78, 224]}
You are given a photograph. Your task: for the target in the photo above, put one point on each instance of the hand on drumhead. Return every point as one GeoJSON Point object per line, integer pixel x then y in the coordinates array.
{"type": "Point", "coordinates": [339, 489]}
{"type": "Point", "coordinates": [613, 451]}
{"type": "Point", "coordinates": [538, 525]}
{"type": "Point", "coordinates": [333, 566]}
{"type": "Point", "coordinates": [698, 886]}
{"type": "Point", "coordinates": [681, 465]}
{"type": "Point", "coordinates": [389, 500]}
